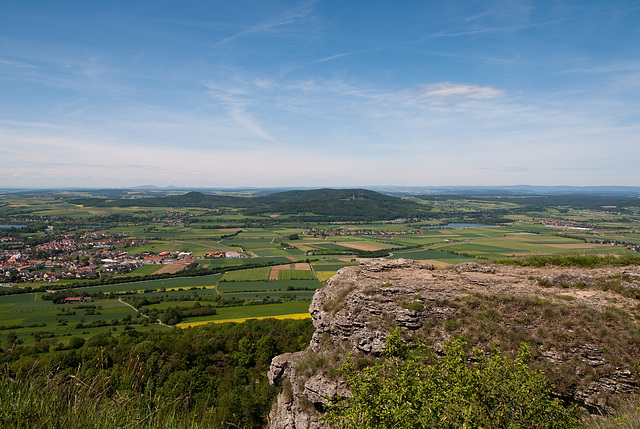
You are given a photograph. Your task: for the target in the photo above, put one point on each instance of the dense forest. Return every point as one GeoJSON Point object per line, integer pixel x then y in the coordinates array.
{"type": "Point", "coordinates": [214, 375]}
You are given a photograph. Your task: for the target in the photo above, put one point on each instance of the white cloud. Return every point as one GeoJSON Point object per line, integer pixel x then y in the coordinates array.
{"type": "Point", "coordinates": [350, 129]}
{"type": "Point", "coordinates": [447, 93]}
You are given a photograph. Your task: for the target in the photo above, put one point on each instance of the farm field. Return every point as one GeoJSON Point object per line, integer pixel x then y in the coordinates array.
{"type": "Point", "coordinates": [277, 285]}
{"type": "Point", "coordinates": [167, 284]}
{"type": "Point", "coordinates": [294, 309]}
{"type": "Point", "coordinates": [38, 318]}
{"type": "Point", "coordinates": [248, 275]}
{"type": "Point", "coordinates": [296, 275]}
{"type": "Point", "coordinates": [364, 245]}
{"type": "Point", "coordinates": [286, 255]}
{"type": "Point", "coordinates": [430, 254]}
{"type": "Point", "coordinates": [144, 270]}
{"type": "Point", "coordinates": [33, 318]}
{"type": "Point", "coordinates": [299, 295]}
{"type": "Point", "coordinates": [543, 246]}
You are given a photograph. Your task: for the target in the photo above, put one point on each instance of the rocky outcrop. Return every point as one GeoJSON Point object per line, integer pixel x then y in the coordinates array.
{"type": "Point", "coordinates": [582, 324]}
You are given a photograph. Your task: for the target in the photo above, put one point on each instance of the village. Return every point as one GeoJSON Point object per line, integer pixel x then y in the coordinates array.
{"type": "Point", "coordinates": [92, 255]}
{"type": "Point", "coordinates": [66, 256]}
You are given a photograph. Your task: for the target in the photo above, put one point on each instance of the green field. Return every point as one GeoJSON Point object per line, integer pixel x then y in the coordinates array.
{"type": "Point", "coordinates": [330, 266]}
{"type": "Point", "coordinates": [262, 240]}
{"type": "Point", "coordinates": [432, 254]}
{"type": "Point", "coordinates": [59, 320]}
{"type": "Point", "coordinates": [254, 311]}
{"type": "Point", "coordinates": [144, 270]}
{"type": "Point", "coordinates": [296, 275]}
{"type": "Point", "coordinates": [170, 283]}
{"type": "Point", "coordinates": [249, 275]}
{"type": "Point", "coordinates": [277, 285]}
{"type": "Point", "coordinates": [300, 295]}
{"type": "Point", "coordinates": [206, 293]}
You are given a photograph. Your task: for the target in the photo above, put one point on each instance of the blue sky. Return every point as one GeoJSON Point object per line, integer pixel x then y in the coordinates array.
{"type": "Point", "coordinates": [319, 93]}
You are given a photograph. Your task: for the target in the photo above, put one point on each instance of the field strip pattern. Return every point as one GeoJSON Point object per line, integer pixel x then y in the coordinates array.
{"type": "Point", "coordinates": [275, 271]}
{"type": "Point", "coordinates": [242, 319]}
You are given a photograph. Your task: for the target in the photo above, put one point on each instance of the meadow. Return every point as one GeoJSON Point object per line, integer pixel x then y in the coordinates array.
{"type": "Point", "coordinates": [31, 318]}
{"type": "Point", "coordinates": [160, 284]}
{"type": "Point", "coordinates": [295, 309]}
{"type": "Point", "coordinates": [281, 240]}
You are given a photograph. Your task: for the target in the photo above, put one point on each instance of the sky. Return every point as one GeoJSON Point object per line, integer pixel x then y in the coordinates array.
{"type": "Point", "coordinates": [319, 93]}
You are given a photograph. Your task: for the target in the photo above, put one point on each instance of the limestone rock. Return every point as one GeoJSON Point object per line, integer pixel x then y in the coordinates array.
{"type": "Point", "coordinates": [360, 305]}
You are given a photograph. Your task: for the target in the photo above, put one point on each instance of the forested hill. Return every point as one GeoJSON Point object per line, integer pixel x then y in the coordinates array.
{"type": "Point", "coordinates": [333, 204]}
{"type": "Point", "coordinates": [190, 199]}
{"type": "Point", "coordinates": [340, 204]}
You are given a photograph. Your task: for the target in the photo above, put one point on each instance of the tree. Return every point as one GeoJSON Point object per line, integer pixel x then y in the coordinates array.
{"type": "Point", "coordinates": [12, 339]}
{"type": "Point", "coordinates": [170, 316]}
{"type": "Point", "coordinates": [412, 388]}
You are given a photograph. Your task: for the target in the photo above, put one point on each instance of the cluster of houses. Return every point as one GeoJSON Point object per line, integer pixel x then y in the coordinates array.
{"type": "Point", "coordinates": [20, 267]}
{"type": "Point", "coordinates": [94, 254]}
{"type": "Point", "coordinates": [167, 258]}
{"type": "Point", "coordinates": [173, 218]}
{"type": "Point", "coordinates": [77, 299]}
{"type": "Point", "coordinates": [344, 232]}
{"type": "Point", "coordinates": [566, 224]}
{"type": "Point", "coordinates": [65, 256]}
{"type": "Point", "coordinates": [215, 255]}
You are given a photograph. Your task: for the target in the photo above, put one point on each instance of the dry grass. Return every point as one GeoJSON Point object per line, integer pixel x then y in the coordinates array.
{"type": "Point", "coordinates": [302, 266]}
{"type": "Point", "coordinates": [276, 270]}
{"type": "Point", "coordinates": [577, 245]}
{"type": "Point", "coordinates": [171, 269]}
{"type": "Point", "coordinates": [628, 417]}
{"type": "Point", "coordinates": [437, 264]}
{"type": "Point", "coordinates": [362, 246]}
{"type": "Point", "coordinates": [337, 302]}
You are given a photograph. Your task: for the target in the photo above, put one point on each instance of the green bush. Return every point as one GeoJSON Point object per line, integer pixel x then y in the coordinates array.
{"type": "Point", "coordinates": [412, 388]}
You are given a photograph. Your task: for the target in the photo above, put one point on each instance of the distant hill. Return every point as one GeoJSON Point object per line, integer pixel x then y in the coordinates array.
{"type": "Point", "coordinates": [340, 204]}
{"type": "Point", "coordinates": [332, 204]}
{"type": "Point", "coordinates": [350, 204]}
{"type": "Point", "coordinates": [190, 199]}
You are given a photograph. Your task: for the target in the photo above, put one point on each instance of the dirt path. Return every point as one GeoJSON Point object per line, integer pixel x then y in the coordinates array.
{"type": "Point", "coordinates": [143, 315]}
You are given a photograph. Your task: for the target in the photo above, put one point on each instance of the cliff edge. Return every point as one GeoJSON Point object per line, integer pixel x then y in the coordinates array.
{"type": "Point", "coordinates": [582, 324]}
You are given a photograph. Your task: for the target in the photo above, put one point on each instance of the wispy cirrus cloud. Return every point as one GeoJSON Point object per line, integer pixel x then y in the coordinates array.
{"type": "Point", "coordinates": [343, 54]}
{"type": "Point", "coordinates": [627, 66]}
{"type": "Point", "coordinates": [234, 100]}
{"type": "Point", "coordinates": [289, 16]}
{"type": "Point", "coordinates": [18, 64]}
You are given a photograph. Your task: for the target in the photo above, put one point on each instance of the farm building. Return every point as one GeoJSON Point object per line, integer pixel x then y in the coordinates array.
{"type": "Point", "coordinates": [214, 255]}
{"type": "Point", "coordinates": [77, 299]}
